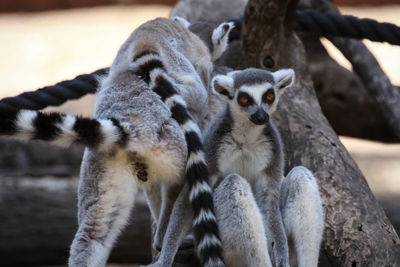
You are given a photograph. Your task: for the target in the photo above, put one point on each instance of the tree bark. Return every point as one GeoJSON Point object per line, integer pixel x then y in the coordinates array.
{"type": "Point", "coordinates": [357, 231]}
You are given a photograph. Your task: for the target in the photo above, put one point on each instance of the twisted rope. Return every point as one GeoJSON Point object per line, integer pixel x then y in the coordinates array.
{"type": "Point", "coordinates": [322, 24]}
{"type": "Point", "coordinates": [54, 95]}
{"type": "Point", "coordinates": [329, 24]}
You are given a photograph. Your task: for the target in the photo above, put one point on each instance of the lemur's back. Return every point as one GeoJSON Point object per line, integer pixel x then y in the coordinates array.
{"type": "Point", "coordinates": [175, 39]}
{"type": "Point", "coordinates": [188, 62]}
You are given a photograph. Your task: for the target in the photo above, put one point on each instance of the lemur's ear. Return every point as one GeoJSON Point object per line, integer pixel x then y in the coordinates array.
{"type": "Point", "coordinates": [223, 85]}
{"type": "Point", "coordinates": [182, 21]}
{"type": "Point", "coordinates": [283, 78]}
{"type": "Point", "coordinates": [219, 38]}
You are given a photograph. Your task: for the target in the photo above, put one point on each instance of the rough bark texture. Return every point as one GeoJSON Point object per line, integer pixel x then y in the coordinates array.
{"type": "Point", "coordinates": [357, 231]}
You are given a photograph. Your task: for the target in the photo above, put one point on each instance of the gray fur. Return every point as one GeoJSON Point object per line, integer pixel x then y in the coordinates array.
{"type": "Point", "coordinates": [240, 221]}
{"type": "Point", "coordinates": [234, 144]}
{"type": "Point", "coordinates": [108, 182]}
{"type": "Point", "coordinates": [220, 125]}
{"type": "Point", "coordinates": [179, 226]}
{"type": "Point", "coordinates": [252, 76]}
{"type": "Point", "coordinates": [204, 31]}
{"type": "Point", "coordinates": [299, 192]}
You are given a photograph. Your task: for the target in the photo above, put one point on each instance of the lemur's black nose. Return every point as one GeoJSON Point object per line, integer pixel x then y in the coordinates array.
{"type": "Point", "coordinates": [260, 117]}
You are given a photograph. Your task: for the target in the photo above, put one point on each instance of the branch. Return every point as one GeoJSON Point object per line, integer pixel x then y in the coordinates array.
{"type": "Point", "coordinates": [345, 101]}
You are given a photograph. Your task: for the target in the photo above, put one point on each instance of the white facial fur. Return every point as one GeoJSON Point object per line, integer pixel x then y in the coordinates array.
{"type": "Point", "coordinates": [256, 92]}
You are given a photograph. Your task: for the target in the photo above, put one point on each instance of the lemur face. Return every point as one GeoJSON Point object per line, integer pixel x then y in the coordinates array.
{"type": "Point", "coordinates": [253, 93]}
{"type": "Point", "coordinates": [256, 101]}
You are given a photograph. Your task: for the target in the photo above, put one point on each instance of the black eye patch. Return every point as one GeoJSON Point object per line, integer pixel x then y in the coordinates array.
{"type": "Point", "coordinates": [244, 99]}
{"type": "Point", "coordinates": [269, 96]}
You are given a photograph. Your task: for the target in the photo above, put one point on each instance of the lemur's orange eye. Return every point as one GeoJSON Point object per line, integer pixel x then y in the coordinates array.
{"type": "Point", "coordinates": [269, 97]}
{"type": "Point", "coordinates": [243, 100]}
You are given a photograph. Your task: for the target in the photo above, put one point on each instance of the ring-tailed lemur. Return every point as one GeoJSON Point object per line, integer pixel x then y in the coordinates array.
{"type": "Point", "coordinates": [159, 77]}
{"type": "Point", "coordinates": [251, 146]}
{"type": "Point", "coordinates": [243, 140]}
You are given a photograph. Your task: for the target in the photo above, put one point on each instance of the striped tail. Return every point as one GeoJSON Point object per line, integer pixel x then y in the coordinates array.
{"type": "Point", "coordinates": [150, 68]}
{"type": "Point", "coordinates": [62, 130]}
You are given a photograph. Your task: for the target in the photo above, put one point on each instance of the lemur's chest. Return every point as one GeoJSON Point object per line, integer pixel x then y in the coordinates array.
{"type": "Point", "coordinates": [248, 160]}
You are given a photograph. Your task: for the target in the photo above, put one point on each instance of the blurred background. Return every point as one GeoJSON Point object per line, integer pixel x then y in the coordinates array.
{"type": "Point", "coordinates": [46, 41]}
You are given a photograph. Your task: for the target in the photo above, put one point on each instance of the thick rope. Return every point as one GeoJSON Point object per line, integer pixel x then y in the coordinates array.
{"type": "Point", "coordinates": [329, 24]}
{"type": "Point", "coordinates": [322, 24]}
{"type": "Point", "coordinates": [54, 95]}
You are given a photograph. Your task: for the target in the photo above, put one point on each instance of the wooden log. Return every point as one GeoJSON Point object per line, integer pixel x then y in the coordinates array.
{"type": "Point", "coordinates": [38, 222]}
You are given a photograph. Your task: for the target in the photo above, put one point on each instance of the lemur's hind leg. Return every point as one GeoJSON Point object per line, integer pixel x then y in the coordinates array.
{"type": "Point", "coordinates": [168, 196]}
{"type": "Point", "coordinates": [106, 195]}
{"type": "Point", "coordinates": [180, 223]}
{"type": "Point", "coordinates": [152, 193]}
{"type": "Point", "coordinates": [302, 213]}
{"type": "Point", "coordinates": [240, 223]}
